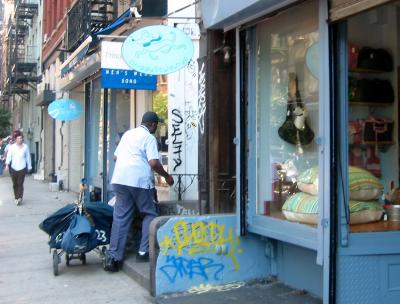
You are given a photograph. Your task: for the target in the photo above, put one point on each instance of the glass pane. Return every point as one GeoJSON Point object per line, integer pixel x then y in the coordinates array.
{"type": "Point", "coordinates": [96, 141]}
{"type": "Point", "coordinates": [373, 117]}
{"type": "Point", "coordinates": [119, 110]}
{"type": "Point", "coordinates": [287, 112]}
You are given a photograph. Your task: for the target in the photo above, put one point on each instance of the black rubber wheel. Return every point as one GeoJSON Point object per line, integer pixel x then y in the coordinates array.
{"type": "Point", "coordinates": [67, 259]}
{"type": "Point", "coordinates": [55, 262]}
{"type": "Point", "coordinates": [103, 250]}
{"type": "Point", "coordinates": [83, 258]}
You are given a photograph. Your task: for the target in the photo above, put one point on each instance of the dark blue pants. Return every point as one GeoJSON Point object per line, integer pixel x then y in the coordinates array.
{"type": "Point", "coordinates": [127, 198]}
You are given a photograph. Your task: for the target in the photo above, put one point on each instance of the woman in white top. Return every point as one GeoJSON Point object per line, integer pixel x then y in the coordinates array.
{"type": "Point", "coordinates": [18, 161]}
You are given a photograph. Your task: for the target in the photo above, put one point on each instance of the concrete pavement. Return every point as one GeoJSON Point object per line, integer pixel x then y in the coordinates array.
{"type": "Point", "coordinates": [26, 274]}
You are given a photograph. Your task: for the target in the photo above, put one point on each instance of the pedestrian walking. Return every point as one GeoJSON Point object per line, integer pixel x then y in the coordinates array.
{"type": "Point", "coordinates": [18, 162]}
{"type": "Point", "coordinates": [2, 160]}
{"type": "Point", "coordinates": [133, 183]}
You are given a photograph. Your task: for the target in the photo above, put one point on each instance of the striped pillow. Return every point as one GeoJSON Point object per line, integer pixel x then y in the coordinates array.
{"type": "Point", "coordinates": [363, 185]}
{"type": "Point", "coordinates": [303, 208]}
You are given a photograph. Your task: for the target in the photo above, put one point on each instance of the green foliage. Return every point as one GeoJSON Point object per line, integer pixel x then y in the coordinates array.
{"type": "Point", "coordinates": [5, 124]}
{"type": "Point", "coordinates": [160, 105]}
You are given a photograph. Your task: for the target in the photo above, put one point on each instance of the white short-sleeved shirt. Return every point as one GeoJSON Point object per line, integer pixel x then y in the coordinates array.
{"type": "Point", "coordinates": [19, 157]}
{"type": "Point", "coordinates": [136, 148]}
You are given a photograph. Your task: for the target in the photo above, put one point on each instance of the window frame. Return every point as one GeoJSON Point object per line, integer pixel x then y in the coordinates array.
{"type": "Point", "coordinates": [294, 233]}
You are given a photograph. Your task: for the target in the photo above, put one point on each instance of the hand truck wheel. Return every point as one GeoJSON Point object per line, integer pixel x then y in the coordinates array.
{"type": "Point", "coordinates": [55, 262]}
{"type": "Point", "coordinates": [83, 258]}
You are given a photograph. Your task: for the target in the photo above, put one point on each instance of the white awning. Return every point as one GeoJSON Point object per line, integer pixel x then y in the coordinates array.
{"type": "Point", "coordinates": [341, 9]}
{"type": "Point", "coordinates": [228, 14]}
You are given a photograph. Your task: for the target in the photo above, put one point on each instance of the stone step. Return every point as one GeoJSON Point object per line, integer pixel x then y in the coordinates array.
{"type": "Point", "coordinates": [139, 272]}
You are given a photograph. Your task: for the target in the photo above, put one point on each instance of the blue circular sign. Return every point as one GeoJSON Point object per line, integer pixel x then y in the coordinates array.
{"type": "Point", "coordinates": [157, 50]}
{"type": "Point", "coordinates": [312, 59]}
{"type": "Point", "coordinates": [65, 109]}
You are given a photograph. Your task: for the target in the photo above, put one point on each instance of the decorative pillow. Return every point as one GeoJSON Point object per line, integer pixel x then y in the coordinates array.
{"type": "Point", "coordinates": [365, 212]}
{"type": "Point", "coordinates": [303, 208]}
{"type": "Point", "coordinates": [363, 185]}
{"type": "Point", "coordinates": [308, 181]}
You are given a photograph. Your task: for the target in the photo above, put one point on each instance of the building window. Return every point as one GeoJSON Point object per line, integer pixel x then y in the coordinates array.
{"type": "Point", "coordinates": [372, 136]}
{"type": "Point", "coordinates": [284, 120]}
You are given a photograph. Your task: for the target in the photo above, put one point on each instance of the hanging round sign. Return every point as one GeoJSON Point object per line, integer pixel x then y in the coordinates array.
{"type": "Point", "coordinates": [65, 109]}
{"type": "Point", "coordinates": [312, 59]}
{"type": "Point", "coordinates": [157, 50]}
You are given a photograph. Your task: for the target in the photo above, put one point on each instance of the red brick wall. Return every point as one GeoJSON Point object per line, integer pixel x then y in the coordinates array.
{"type": "Point", "coordinates": [54, 11]}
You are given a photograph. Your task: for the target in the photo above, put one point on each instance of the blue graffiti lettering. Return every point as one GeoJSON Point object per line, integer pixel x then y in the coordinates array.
{"type": "Point", "coordinates": [180, 267]}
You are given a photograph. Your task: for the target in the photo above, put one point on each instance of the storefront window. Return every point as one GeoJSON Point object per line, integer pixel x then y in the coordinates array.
{"type": "Point", "coordinates": [287, 114]}
{"type": "Point", "coordinates": [372, 41]}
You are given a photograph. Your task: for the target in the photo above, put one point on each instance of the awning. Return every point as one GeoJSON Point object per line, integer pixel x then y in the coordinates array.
{"type": "Point", "coordinates": [341, 9]}
{"type": "Point", "coordinates": [114, 25]}
{"type": "Point", "coordinates": [89, 66]}
{"type": "Point", "coordinates": [76, 57]}
{"type": "Point", "coordinates": [228, 14]}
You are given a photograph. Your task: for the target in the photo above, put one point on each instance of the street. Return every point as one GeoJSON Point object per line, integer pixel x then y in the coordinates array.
{"type": "Point", "coordinates": [26, 273]}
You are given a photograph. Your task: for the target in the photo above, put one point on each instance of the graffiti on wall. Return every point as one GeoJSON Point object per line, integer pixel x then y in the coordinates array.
{"type": "Point", "coordinates": [200, 253]}
{"type": "Point", "coordinates": [182, 127]}
{"type": "Point", "coordinates": [191, 68]}
{"type": "Point", "coordinates": [189, 246]}
{"type": "Point", "coordinates": [202, 267]}
{"type": "Point", "coordinates": [190, 123]}
{"type": "Point", "coordinates": [177, 138]}
{"type": "Point", "coordinates": [202, 98]}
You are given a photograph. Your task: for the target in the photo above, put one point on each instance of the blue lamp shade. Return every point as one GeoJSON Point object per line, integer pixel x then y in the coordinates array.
{"type": "Point", "coordinates": [65, 109]}
{"type": "Point", "coordinates": [157, 50]}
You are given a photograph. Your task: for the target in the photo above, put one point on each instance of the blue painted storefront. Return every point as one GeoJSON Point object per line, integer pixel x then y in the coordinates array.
{"type": "Point", "coordinates": [327, 260]}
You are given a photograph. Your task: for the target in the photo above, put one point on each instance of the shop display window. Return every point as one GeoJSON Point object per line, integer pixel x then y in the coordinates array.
{"type": "Point", "coordinates": [287, 115]}
{"type": "Point", "coordinates": [374, 200]}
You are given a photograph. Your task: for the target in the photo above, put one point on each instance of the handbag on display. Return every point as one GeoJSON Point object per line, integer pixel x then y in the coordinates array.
{"type": "Point", "coordinates": [375, 59]}
{"type": "Point", "coordinates": [370, 90]}
{"type": "Point", "coordinates": [295, 129]}
{"type": "Point", "coordinates": [378, 130]}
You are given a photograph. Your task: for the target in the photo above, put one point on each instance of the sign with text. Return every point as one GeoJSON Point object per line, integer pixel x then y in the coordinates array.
{"type": "Point", "coordinates": [115, 74]}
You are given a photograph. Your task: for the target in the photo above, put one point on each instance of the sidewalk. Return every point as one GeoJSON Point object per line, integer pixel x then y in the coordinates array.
{"type": "Point", "coordinates": [26, 274]}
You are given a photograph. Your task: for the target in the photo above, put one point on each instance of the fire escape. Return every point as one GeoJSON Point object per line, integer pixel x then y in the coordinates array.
{"type": "Point", "coordinates": [86, 17]}
{"type": "Point", "coordinates": [21, 64]}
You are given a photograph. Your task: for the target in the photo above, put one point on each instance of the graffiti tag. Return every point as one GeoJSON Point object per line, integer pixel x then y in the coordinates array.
{"type": "Point", "coordinates": [177, 140]}
{"type": "Point", "coordinates": [201, 237]}
{"type": "Point", "coordinates": [202, 98]}
{"type": "Point", "coordinates": [191, 123]}
{"type": "Point", "coordinates": [179, 267]}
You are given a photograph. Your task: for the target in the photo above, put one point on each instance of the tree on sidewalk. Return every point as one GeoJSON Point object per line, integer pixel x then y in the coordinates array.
{"type": "Point", "coordinates": [5, 124]}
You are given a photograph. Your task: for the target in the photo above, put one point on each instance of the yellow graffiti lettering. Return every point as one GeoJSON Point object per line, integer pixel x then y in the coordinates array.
{"type": "Point", "coordinates": [202, 237]}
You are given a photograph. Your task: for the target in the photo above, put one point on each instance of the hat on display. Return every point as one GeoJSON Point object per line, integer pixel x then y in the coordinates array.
{"type": "Point", "coordinates": [151, 117]}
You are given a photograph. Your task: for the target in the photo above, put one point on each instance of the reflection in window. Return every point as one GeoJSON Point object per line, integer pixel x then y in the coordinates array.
{"type": "Point", "coordinates": [287, 114]}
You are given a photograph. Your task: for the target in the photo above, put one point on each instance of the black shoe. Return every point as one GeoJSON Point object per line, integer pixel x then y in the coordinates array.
{"type": "Point", "coordinates": [142, 258]}
{"type": "Point", "coordinates": [109, 264]}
